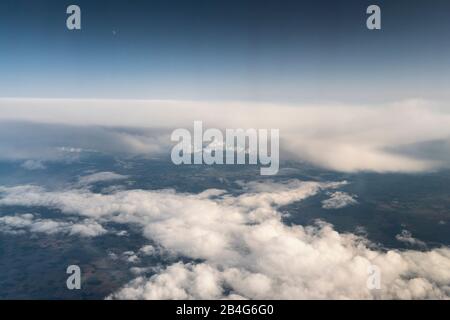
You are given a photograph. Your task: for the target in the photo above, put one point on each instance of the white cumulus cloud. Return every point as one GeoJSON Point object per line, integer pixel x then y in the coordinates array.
{"type": "Point", "coordinates": [406, 237]}
{"type": "Point", "coordinates": [243, 249]}
{"type": "Point", "coordinates": [21, 223]}
{"type": "Point", "coordinates": [338, 200]}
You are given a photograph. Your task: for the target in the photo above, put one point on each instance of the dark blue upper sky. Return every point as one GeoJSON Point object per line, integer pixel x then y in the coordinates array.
{"type": "Point", "coordinates": [234, 50]}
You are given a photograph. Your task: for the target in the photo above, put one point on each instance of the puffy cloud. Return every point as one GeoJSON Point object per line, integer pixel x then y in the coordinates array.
{"type": "Point", "coordinates": [382, 138]}
{"type": "Point", "coordinates": [406, 237]}
{"type": "Point", "coordinates": [402, 277]}
{"type": "Point", "coordinates": [244, 248]}
{"type": "Point", "coordinates": [27, 222]}
{"type": "Point", "coordinates": [33, 165]}
{"type": "Point", "coordinates": [338, 200]}
{"type": "Point", "coordinates": [147, 250]}
{"type": "Point", "coordinates": [130, 257]}
{"type": "Point", "coordinates": [178, 281]}
{"type": "Point", "coordinates": [88, 228]}
{"type": "Point", "coordinates": [101, 177]}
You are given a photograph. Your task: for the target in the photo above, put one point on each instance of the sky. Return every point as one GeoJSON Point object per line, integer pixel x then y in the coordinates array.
{"type": "Point", "coordinates": [272, 51]}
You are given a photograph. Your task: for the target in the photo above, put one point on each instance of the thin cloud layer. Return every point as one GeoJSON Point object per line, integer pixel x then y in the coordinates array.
{"type": "Point", "coordinates": [243, 249]}
{"type": "Point", "coordinates": [384, 138]}
{"type": "Point", "coordinates": [101, 177]}
{"type": "Point", "coordinates": [22, 223]}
